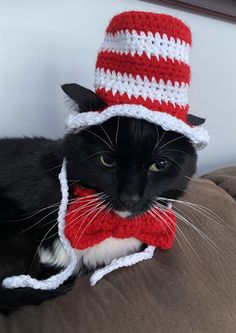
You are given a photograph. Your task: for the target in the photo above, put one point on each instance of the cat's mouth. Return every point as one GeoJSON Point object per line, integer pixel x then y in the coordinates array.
{"type": "Point", "coordinates": [130, 214]}
{"type": "Point", "coordinates": [139, 209]}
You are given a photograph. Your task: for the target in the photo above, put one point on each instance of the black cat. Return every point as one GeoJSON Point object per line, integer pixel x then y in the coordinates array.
{"type": "Point", "coordinates": [131, 161]}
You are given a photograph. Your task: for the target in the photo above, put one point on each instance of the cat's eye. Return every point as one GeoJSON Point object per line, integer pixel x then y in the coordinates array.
{"type": "Point", "coordinates": [159, 165]}
{"type": "Point", "coordinates": [107, 160]}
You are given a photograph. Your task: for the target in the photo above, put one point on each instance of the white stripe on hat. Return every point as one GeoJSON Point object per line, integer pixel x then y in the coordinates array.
{"type": "Point", "coordinates": [116, 82]}
{"type": "Point", "coordinates": [132, 42]}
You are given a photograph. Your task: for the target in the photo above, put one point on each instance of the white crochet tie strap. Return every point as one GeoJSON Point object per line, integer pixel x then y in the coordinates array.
{"type": "Point", "coordinates": [56, 280]}
{"type": "Point", "coordinates": [26, 281]}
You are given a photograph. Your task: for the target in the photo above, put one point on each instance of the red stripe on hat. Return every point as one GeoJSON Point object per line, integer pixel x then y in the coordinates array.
{"type": "Point", "coordinates": [150, 22]}
{"type": "Point", "coordinates": [110, 99]}
{"type": "Point", "coordinates": [168, 69]}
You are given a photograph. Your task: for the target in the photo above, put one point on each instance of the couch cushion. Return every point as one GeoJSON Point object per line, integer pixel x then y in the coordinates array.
{"type": "Point", "coordinates": [190, 288]}
{"type": "Point", "coordinates": [225, 178]}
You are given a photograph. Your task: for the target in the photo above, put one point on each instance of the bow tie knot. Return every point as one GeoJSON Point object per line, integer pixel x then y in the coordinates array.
{"type": "Point", "coordinates": [87, 225]}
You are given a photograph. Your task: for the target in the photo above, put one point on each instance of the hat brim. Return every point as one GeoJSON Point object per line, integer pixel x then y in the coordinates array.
{"type": "Point", "coordinates": [198, 135]}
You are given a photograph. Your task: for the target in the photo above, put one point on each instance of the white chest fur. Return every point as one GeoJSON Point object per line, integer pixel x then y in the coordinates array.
{"type": "Point", "coordinates": [102, 253]}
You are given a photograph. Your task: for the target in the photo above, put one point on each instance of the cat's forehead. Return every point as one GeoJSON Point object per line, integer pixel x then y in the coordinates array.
{"type": "Point", "coordinates": [130, 132]}
{"type": "Point", "coordinates": [134, 138]}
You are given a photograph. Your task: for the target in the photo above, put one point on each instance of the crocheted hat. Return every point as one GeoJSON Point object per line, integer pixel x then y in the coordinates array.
{"type": "Point", "coordinates": [142, 71]}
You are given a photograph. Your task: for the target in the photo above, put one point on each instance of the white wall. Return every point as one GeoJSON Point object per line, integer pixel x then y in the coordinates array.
{"type": "Point", "coordinates": [46, 43]}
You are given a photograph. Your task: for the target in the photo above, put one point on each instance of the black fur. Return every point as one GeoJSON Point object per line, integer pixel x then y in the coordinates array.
{"type": "Point", "coordinates": [29, 169]}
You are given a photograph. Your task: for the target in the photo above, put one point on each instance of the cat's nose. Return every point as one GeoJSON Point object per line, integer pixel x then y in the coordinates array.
{"type": "Point", "coordinates": [129, 200]}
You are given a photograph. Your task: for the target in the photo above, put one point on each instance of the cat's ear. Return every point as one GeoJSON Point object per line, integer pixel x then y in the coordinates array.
{"type": "Point", "coordinates": [86, 99]}
{"type": "Point", "coordinates": [194, 120]}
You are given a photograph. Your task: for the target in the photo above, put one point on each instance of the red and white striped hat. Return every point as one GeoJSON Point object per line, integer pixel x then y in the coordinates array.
{"type": "Point", "coordinates": [143, 71]}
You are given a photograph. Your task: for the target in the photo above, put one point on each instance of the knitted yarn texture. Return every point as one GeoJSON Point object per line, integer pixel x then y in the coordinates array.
{"type": "Point", "coordinates": [85, 227]}
{"type": "Point", "coordinates": [144, 60]}
{"type": "Point", "coordinates": [142, 71]}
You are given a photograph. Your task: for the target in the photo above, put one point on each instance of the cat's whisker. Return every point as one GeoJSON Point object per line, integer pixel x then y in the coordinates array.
{"type": "Point", "coordinates": [158, 217]}
{"type": "Point", "coordinates": [158, 136]}
{"type": "Point", "coordinates": [106, 134]}
{"type": "Point", "coordinates": [164, 209]}
{"type": "Point", "coordinates": [43, 218]}
{"type": "Point", "coordinates": [182, 190]}
{"type": "Point", "coordinates": [159, 141]}
{"type": "Point", "coordinates": [92, 219]}
{"type": "Point", "coordinates": [182, 218]}
{"type": "Point", "coordinates": [106, 212]}
{"type": "Point", "coordinates": [184, 237]}
{"type": "Point", "coordinates": [204, 211]}
{"type": "Point", "coordinates": [196, 179]}
{"type": "Point", "coordinates": [97, 153]}
{"type": "Point", "coordinates": [102, 202]}
{"type": "Point", "coordinates": [117, 129]}
{"type": "Point", "coordinates": [201, 209]}
{"type": "Point", "coordinates": [86, 199]}
{"type": "Point", "coordinates": [44, 238]}
{"type": "Point", "coordinates": [49, 222]}
{"type": "Point", "coordinates": [173, 140]}
{"type": "Point", "coordinates": [73, 182]}
{"type": "Point", "coordinates": [209, 240]}
{"type": "Point", "coordinates": [108, 206]}
{"type": "Point", "coordinates": [70, 224]}
{"type": "Point", "coordinates": [32, 214]}
{"type": "Point", "coordinates": [176, 237]}
{"type": "Point", "coordinates": [200, 232]}
{"type": "Point", "coordinates": [88, 208]}
{"type": "Point", "coordinates": [173, 160]}
{"type": "Point", "coordinates": [35, 213]}
{"type": "Point", "coordinates": [40, 244]}
{"type": "Point", "coordinates": [86, 130]}
{"type": "Point", "coordinates": [55, 167]}
{"type": "Point", "coordinates": [88, 213]}
{"type": "Point", "coordinates": [180, 151]}
{"type": "Point", "coordinates": [87, 205]}
{"type": "Point", "coordinates": [36, 223]}
{"type": "Point", "coordinates": [53, 235]}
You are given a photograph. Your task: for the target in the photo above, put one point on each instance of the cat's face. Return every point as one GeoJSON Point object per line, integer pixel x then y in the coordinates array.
{"type": "Point", "coordinates": [132, 161]}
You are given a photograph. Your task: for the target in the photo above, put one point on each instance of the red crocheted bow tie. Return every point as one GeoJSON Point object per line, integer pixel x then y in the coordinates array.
{"type": "Point", "coordinates": [86, 225]}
